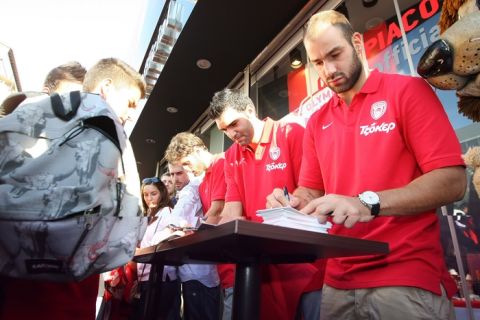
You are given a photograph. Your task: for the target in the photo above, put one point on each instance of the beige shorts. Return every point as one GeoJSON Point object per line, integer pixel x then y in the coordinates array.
{"type": "Point", "coordinates": [385, 303]}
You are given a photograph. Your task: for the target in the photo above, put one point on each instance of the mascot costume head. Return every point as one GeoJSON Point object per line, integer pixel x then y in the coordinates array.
{"type": "Point", "coordinates": [453, 61]}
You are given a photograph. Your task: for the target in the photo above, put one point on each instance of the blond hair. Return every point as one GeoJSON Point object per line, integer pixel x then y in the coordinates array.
{"type": "Point", "coordinates": [327, 18]}
{"type": "Point", "coordinates": [182, 145]}
{"type": "Point", "coordinates": [118, 71]}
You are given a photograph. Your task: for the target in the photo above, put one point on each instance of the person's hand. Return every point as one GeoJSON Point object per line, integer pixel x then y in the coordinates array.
{"type": "Point", "coordinates": [277, 199]}
{"type": "Point", "coordinates": [212, 219]}
{"type": "Point", "coordinates": [343, 210]}
{"type": "Point", "coordinates": [228, 218]}
{"type": "Point", "coordinates": [114, 278]}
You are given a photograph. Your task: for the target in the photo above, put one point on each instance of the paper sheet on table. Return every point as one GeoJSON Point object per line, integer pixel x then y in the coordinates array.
{"type": "Point", "coordinates": [292, 218]}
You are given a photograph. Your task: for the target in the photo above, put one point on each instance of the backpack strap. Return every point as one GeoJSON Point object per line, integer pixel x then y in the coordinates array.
{"type": "Point", "coordinates": [59, 109]}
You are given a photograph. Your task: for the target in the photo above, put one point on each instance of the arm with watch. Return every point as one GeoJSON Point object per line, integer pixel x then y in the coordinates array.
{"type": "Point", "coordinates": [430, 190]}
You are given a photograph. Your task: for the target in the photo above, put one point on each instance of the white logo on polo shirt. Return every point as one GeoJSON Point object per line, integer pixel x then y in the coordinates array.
{"type": "Point", "coordinates": [237, 163]}
{"type": "Point", "coordinates": [325, 126]}
{"type": "Point", "coordinates": [276, 166]}
{"type": "Point", "coordinates": [274, 153]}
{"type": "Point", "coordinates": [384, 127]}
{"type": "Point", "coordinates": [378, 109]}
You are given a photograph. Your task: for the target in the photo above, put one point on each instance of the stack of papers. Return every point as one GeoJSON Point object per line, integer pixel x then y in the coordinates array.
{"type": "Point", "coordinates": [292, 218]}
{"type": "Point", "coordinates": [166, 235]}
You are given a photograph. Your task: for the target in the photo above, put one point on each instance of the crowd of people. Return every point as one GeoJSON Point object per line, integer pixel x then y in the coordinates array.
{"type": "Point", "coordinates": [383, 185]}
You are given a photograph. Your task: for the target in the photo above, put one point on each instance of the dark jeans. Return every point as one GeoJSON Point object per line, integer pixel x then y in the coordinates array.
{"type": "Point", "coordinates": [309, 306]}
{"type": "Point", "coordinates": [200, 302]}
{"type": "Point", "coordinates": [168, 305]}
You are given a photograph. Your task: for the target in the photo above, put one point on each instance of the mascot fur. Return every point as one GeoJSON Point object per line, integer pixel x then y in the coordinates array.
{"type": "Point", "coordinates": [453, 61]}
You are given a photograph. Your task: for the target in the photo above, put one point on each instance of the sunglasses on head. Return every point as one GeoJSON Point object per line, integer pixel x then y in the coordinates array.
{"type": "Point", "coordinates": [150, 180]}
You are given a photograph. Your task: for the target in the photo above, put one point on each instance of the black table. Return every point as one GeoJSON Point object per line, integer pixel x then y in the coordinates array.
{"type": "Point", "coordinates": [248, 245]}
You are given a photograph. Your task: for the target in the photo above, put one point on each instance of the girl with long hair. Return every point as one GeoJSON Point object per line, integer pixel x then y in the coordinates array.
{"type": "Point", "coordinates": [158, 207]}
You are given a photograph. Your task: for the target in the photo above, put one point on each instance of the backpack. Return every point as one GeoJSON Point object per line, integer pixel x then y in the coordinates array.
{"type": "Point", "coordinates": [65, 211]}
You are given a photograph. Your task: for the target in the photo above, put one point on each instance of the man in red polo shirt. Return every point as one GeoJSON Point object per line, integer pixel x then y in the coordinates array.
{"type": "Point", "coordinates": [378, 158]}
{"type": "Point", "coordinates": [266, 154]}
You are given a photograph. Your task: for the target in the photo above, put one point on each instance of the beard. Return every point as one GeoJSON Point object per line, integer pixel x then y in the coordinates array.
{"type": "Point", "coordinates": [351, 77]}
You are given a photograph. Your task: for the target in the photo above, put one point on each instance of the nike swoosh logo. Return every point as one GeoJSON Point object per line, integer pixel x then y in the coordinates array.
{"type": "Point", "coordinates": [325, 126]}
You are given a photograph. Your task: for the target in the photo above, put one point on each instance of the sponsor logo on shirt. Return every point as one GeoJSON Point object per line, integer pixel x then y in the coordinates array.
{"type": "Point", "coordinates": [384, 127]}
{"type": "Point", "coordinates": [325, 126]}
{"type": "Point", "coordinates": [237, 163]}
{"type": "Point", "coordinates": [275, 166]}
{"type": "Point", "coordinates": [378, 109]}
{"type": "Point", "coordinates": [274, 153]}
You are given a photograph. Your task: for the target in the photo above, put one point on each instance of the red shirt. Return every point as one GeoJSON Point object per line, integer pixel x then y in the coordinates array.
{"type": "Point", "coordinates": [259, 172]}
{"type": "Point", "coordinates": [251, 176]}
{"type": "Point", "coordinates": [45, 300]}
{"type": "Point", "coordinates": [387, 137]}
{"type": "Point", "coordinates": [213, 186]}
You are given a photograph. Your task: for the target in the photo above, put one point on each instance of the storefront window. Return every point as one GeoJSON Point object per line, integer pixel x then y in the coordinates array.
{"type": "Point", "coordinates": [215, 140]}
{"type": "Point", "coordinates": [283, 87]}
{"type": "Point", "coordinates": [385, 49]}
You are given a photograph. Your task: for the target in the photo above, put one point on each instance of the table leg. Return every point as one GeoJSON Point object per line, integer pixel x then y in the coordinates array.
{"type": "Point", "coordinates": [246, 296]}
{"type": "Point", "coordinates": [153, 293]}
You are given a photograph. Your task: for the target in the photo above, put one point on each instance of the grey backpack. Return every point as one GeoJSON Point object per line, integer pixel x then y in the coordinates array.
{"type": "Point", "coordinates": [65, 209]}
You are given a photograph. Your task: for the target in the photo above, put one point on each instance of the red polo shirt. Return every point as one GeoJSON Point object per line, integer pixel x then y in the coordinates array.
{"type": "Point", "coordinates": [251, 175]}
{"type": "Point", "coordinates": [394, 130]}
{"type": "Point", "coordinates": [213, 186]}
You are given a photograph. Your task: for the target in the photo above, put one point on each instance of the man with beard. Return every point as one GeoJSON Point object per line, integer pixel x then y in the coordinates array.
{"type": "Point", "coordinates": [378, 159]}
{"type": "Point", "coordinates": [200, 282]}
{"type": "Point", "coordinates": [266, 155]}
{"type": "Point", "coordinates": [168, 182]}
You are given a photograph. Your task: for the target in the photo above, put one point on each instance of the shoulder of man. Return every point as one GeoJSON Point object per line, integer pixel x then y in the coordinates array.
{"type": "Point", "coordinates": [219, 162]}
{"type": "Point", "coordinates": [399, 79]}
{"type": "Point", "coordinates": [188, 194]}
{"type": "Point", "coordinates": [232, 151]}
{"type": "Point", "coordinates": [289, 130]}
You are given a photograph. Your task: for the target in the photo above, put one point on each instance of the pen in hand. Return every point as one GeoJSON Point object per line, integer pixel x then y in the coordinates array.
{"type": "Point", "coordinates": [285, 193]}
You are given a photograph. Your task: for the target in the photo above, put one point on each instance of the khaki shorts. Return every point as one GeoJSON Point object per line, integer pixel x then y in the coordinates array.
{"type": "Point", "coordinates": [385, 303]}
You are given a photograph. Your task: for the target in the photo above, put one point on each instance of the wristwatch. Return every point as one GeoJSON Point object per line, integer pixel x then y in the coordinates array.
{"type": "Point", "coordinates": [371, 200]}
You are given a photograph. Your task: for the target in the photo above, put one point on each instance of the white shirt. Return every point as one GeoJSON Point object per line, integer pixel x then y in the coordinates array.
{"type": "Point", "coordinates": [189, 210]}
{"type": "Point", "coordinates": [162, 221]}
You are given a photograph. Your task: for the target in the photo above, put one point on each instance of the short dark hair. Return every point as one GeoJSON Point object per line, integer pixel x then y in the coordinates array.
{"type": "Point", "coordinates": [165, 174]}
{"type": "Point", "coordinates": [228, 98]}
{"type": "Point", "coordinates": [12, 101]}
{"type": "Point", "coordinates": [71, 71]}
